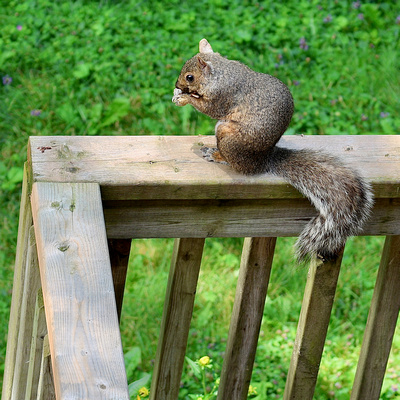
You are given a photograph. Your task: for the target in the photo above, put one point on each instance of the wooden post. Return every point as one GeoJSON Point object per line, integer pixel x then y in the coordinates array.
{"type": "Point", "coordinates": [178, 309]}
{"type": "Point", "coordinates": [312, 328]}
{"type": "Point", "coordinates": [39, 333]}
{"type": "Point", "coordinates": [27, 323]}
{"type": "Point", "coordinates": [78, 292]}
{"type": "Point", "coordinates": [45, 387]}
{"type": "Point", "coordinates": [25, 221]}
{"type": "Point", "coordinates": [246, 318]}
{"type": "Point", "coordinates": [381, 325]}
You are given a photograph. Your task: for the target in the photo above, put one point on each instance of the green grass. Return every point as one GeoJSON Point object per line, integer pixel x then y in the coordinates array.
{"type": "Point", "coordinates": [109, 68]}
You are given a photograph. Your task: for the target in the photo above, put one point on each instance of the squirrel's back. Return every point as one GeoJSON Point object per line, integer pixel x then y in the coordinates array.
{"type": "Point", "coordinates": [254, 110]}
{"type": "Point", "coordinates": [260, 102]}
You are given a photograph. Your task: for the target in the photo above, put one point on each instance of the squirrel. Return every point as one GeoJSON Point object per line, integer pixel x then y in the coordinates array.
{"type": "Point", "coordinates": [253, 111]}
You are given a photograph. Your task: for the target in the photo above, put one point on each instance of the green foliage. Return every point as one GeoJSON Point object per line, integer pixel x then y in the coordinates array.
{"type": "Point", "coordinates": [109, 68]}
{"type": "Point", "coordinates": [132, 361]}
{"type": "Point", "coordinates": [147, 278]}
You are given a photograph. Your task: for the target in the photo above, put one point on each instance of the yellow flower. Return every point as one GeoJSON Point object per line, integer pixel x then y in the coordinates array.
{"type": "Point", "coordinates": [252, 390]}
{"type": "Point", "coordinates": [204, 361]}
{"type": "Point", "coordinates": [143, 392]}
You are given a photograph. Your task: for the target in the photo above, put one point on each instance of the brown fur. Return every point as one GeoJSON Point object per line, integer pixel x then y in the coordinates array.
{"type": "Point", "coordinates": [254, 110]}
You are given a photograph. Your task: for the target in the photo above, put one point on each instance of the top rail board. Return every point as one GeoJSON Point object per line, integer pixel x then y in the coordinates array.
{"type": "Point", "coordinates": [171, 167]}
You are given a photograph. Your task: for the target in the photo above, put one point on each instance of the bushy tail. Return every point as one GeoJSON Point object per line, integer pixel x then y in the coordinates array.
{"type": "Point", "coordinates": [342, 197]}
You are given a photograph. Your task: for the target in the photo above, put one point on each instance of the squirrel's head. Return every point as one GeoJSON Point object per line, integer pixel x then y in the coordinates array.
{"type": "Point", "coordinates": [196, 71]}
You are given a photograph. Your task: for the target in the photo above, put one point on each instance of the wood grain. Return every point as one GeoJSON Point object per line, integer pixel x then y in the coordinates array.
{"type": "Point", "coordinates": [39, 332]}
{"type": "Point", "coordinates": [251, 290]}
{"type": "Point", "coordinates": [229, 218]}
{"type": "Point", "coordinates": [45, 387]}
{"type": "Point", "coordinates": [78, 292]}
{"type": "Point", "coordinates": [171, 167]}
{"type": "Point", "coordinates": [25, 222]}
{"type": "Point", "coordinates": [26, 327]}
{"type": "Point", "coordinates": [160, 186]}
{"type": "Point", "coordinates": [312, 328]}
{"type": "Point", "coordinates": [177, 314]}
{"type": "Point", "coordinates": [381, 325]}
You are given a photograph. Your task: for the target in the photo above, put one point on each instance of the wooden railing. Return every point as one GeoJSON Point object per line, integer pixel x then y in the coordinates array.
{"type": "Point", "coordinates": [71, 262]}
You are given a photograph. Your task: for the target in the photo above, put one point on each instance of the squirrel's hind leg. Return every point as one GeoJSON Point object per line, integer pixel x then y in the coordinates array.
{"type": "Point", "coordinates": [213, 154]}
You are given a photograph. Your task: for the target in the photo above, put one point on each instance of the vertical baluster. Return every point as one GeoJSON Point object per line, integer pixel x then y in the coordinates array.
{"type": "Point", "coordinates": [25, 222]}
{"type": "Point", "coordinates": [246, 318]}
{"type": "Point", "coordinates": [177, 314]}
{"type": "Point", "coordinates": [381, 325]}
{"type": "Point", "coordinates": [312, 328]}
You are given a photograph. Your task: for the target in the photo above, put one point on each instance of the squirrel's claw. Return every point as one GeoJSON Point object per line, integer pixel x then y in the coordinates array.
{"type": "Point", "coordinates": [179, 98]}
{"type": "Point", "coordinates": [212, 154]}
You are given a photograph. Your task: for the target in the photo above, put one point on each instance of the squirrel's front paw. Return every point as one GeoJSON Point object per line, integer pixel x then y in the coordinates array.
{"type": "Point", "coordinates": [179, 98]}
{"type": "Point", "coordinates": [212, 154]}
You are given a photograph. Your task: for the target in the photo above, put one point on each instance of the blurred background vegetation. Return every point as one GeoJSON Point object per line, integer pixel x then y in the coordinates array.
{"type": "Point", "coordinates": [109, 68]}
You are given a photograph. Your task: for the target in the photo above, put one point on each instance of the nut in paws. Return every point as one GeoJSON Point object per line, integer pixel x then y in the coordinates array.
{"type": "Point", "coordinates": [179, 98]}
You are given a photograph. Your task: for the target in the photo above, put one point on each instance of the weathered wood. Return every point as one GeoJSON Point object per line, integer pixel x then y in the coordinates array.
{"type": "Point", "coordinates": [171, 167]}
{"type": "Point", "coordinates": [119, 256]}
{"type": "Point", "coordinates": [31, 287]}
{"type": "Point", "coordinates": [177, 314]}
{"type": "Point", "coordinates": [45, 389]}
{"type": "Point", "coordinates": [312, 328]}
{"type": "Point", "coordinates": [78, 292]}
{"type": "Point", "coordinates": [381, 325]}
{"type": "Point", "coordinates": [39, 332]}
{"type": "Point", "coordinates": [152, 187]}
{"type": "Point", "coordinates": [25, 221]}
{"type": "Point", "coordinates": [246, 318]}
{"type": "Point", "coordinates": [229, 218]}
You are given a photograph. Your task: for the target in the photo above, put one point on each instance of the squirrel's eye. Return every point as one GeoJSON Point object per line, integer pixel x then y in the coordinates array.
{"type": "Point", "coordinates": [190, 78]}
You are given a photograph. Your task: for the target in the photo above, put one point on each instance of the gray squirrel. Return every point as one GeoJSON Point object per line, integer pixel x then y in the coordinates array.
{"type": "Point", "coordinates": [253, 111]}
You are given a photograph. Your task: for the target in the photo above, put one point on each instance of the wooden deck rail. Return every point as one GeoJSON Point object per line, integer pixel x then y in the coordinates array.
{"type": "Point", "coordinates": [71, 262]}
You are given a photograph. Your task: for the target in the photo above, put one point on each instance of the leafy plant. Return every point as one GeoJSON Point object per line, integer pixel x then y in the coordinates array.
{"type": "Point", "coordinates": [109, 68]}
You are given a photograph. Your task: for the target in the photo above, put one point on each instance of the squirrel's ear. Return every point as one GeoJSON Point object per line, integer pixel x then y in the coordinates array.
{"type": "Point", "coordinates": [205, 66]}
{"type": "Point", "coordinates": [205, 47]}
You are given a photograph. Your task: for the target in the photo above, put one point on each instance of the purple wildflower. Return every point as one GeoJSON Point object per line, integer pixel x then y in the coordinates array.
{"type": "Point", "coordinates": [296, 83]}
{"type": "Point", "coordinates": [356, 4]}
{"type": "Point", "coordinates": [360, 16]}
{"type": "Point", "coordinates": [280, 60]}
{"type": "Point", "coordinates": [303, 44]}
{"type": "Point", "coordinates": [384, 114]}
{"type": "Point", "coordinates": [328, 18]}
{"type": "Point", "coordinates": [7, 80]}
{"type": "Point", "coordinates": [363, 117]}
{"type": "Point", "coordinates": [398, 20]}
{"type": "Point", "coordinates": [19, 27]}
{"type": "Point", "coordinates": [36, 113]}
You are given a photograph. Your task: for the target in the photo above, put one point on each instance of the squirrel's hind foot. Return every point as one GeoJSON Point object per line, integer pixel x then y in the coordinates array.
{"type": "Point", "coordinates": [212, 154]}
